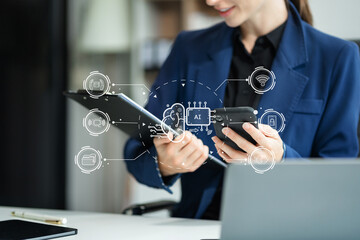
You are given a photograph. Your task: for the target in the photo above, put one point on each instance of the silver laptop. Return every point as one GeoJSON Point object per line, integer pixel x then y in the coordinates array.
{"type": "Point", "coordinates": [314, 200]}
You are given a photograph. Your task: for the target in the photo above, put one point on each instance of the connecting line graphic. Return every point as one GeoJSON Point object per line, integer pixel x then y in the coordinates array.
{"type": "Point", "coordinates": [156, 131]}
{"type": "Point", "coordinates": [241, 122]}
{"type": "Point", "coordinates": [231, 80]}
{"type": "Point", "coordinates": [118, 159]}
{"type": "Point", "coordinates": [213, 116]}
{"type": "Point", "coordinates": [233, 123]}
{"type": "Point", "coordinates": [131, 84]}
{"type": "Point", "coordinates": [135, 123]}
{"type": "Point", "coordinates": [158, 136]}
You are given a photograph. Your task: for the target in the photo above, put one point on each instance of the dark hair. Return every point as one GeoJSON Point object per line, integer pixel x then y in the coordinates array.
{"type": "Point", "coordinates": [303, 8]}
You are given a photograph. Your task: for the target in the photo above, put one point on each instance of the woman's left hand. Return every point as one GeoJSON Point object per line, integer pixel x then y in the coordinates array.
{"type": "Point", "coordinates": [265, 136]}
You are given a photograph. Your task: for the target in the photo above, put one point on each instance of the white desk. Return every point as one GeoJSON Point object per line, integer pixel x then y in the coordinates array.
{"type": "Point", "coordinates": [117, 226]}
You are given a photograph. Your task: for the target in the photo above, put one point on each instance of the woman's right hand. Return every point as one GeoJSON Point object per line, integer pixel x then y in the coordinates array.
{"type": "Point", "coordinates": [180, 156]}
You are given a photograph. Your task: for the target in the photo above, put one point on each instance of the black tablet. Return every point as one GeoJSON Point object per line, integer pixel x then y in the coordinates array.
{"type": "Point", "coordinates": [120, 111]}
{"type": "Point", "coordinates": [19, 229]}
{"type": "Point", "coordinates": [124, 113]}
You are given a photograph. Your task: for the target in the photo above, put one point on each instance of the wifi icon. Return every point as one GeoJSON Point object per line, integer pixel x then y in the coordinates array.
{"type": "Point", "coordinates": [261, 76]}
{"type": "Point", "coordinates": [262, 79]}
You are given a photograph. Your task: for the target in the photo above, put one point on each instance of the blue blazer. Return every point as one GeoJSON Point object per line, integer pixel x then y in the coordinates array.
{"type": "Point", "coordinates": [317, 90]}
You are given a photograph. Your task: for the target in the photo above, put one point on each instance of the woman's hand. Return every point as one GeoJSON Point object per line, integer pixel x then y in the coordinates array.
{"type": "Point", "coordinates": [265, 137]}
{"type": "Point", "coordinates": [180, 156]}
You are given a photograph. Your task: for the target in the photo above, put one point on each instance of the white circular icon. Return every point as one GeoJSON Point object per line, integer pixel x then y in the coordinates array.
{"type": "Point", "coordinates": [274, 119]}
{"type": "Point", "coordinates": [262, 160]}
{"type": "Point", "coordinates": [88, 159]}
{"type": "Point", "coordinates": [96, 122]}
{"type": "Point", "coordinates": [96, 84]}
{"type": "Point", "coordinates": [262, 80]}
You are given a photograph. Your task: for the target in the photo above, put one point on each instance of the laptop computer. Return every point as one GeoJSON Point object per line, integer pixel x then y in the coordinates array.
{"type": "Point", "coordinates": [295, 200]}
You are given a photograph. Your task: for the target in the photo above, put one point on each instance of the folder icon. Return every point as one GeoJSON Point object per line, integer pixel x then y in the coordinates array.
{"type": "Point", "coordinates": [88, 159]}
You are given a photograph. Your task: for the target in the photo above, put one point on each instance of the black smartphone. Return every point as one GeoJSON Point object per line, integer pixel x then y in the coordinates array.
{"type": "Point", "coordinates": [234, 117]}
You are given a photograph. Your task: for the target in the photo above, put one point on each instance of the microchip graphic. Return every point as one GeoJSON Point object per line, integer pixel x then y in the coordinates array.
{"type": "Point", "coordinates": [198, 116]}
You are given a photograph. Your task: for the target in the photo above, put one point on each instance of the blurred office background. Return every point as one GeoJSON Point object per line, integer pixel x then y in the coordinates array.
{"type": "Point", "coordinates": [48, 46]}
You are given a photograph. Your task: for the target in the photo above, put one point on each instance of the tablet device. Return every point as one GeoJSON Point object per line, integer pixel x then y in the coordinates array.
{"type": "Point", "coordinates": [123, 113]}
{"type": "Point", "coordinates": [19, 229]}
{"type": "Point", "coordinates": [127, 115]}
{"type": "Point", "coordinates": [234, 118]}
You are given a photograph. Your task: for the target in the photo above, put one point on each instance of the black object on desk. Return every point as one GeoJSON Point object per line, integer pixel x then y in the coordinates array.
{"type": "Point", "coordinates": [19, 229]}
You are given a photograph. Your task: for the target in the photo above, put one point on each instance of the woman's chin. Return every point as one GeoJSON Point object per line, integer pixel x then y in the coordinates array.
{"type": "Point", "coordinates": [232, 24]}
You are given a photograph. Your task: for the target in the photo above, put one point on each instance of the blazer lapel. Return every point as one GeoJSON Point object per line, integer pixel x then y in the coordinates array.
{"type": "Point", "coordinates": [290, 82]}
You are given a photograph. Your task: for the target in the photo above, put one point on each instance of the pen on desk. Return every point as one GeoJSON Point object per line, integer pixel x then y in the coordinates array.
{"type": "Point", "coordinates": [39, 217]}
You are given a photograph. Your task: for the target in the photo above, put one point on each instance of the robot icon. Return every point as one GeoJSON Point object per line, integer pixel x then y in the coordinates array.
{"type": "Point", "coordinates": [96, 84]}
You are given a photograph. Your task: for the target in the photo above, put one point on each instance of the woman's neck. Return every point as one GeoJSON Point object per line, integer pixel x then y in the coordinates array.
{"type": "Point", "coordinates": [271, 15]}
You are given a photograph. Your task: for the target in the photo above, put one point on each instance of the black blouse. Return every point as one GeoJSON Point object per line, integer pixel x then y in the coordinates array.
{"type": "Point", "coordinates": [240, 93]}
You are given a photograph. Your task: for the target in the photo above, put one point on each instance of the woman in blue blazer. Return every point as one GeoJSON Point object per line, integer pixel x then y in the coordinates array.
{"type": "Point", "coordinates": [317, 90]}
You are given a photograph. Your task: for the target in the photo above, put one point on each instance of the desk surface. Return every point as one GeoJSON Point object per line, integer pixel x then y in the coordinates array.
{"type": "Point", "coordinates": [117, 226]}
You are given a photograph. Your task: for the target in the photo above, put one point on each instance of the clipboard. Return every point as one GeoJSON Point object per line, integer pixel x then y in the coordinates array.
{"type": "Point", "coordinates": [128, 116]}
{"type": "Point", "coordinates": [20, 229]}
{"type": "Point", "coordinates": [121, 107]}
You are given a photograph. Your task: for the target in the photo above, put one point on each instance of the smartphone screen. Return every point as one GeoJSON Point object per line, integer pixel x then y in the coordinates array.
{"type": "Point", "coordinates": [234, 118]}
